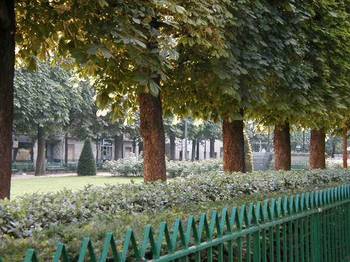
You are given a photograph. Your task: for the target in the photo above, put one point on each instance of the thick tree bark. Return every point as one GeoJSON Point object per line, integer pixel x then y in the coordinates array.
{"type": "Point", "coordinates": [152, 131]}
{"type": "Point", "coordinates": [193, 153]}
{"type": "Point", "coordinates": [317, 149]}
{"type": "Point", "coordinates": [118, 147]}
{"type": "Point", "coordinates": [66, 150]}
{"type": "Point", "coordinates": [233, 137]}
{"type": "Point", "coordinates": [212, 148]}
{"type": "Point", "coordinates": [7, 64]}
{"type": "Point", "coordinates": [40, 159]}
{"type": "Point", "coordinates": [172, 146]}
{"type": "Point", "coordinates": [282, 147]}
{"type": "Point", "coordinates": [345, 148]}
{"type": "Point", "coordinates": [197, 150]}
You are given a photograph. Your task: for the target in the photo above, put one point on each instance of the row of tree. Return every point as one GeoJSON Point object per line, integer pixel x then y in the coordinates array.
{"type": "Point", "coordinates": [51, 101]}
{"type": "Point", "coordinates": [282, 63]}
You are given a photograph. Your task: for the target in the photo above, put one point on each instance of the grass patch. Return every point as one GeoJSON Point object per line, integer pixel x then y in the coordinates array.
{"type": "Point", "coordinates": [53, 184]}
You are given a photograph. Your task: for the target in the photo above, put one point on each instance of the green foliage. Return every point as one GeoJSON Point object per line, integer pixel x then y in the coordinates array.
{"type": "Point", "coordinates": [30, 214]}
{"type": "Point", "coordinates": [43, 98]}
{"type": "Point", "coordinates": [87, 164]}
{"type": "Point", "coordinates": [133, 167]}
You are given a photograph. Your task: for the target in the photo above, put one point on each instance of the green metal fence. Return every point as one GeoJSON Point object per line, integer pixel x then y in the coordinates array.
{"type": "Point", "coordinates": [306, 227]}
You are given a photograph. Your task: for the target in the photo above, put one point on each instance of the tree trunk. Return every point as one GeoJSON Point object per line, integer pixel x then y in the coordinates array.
{"type": "Point", "coordinates": [40, 159]}
{"type": "Point", "coordinates": [66, 150]}
{"type": "Point", "coordinates": [303, 147]}
{"type": "Point", "coordinates": [193, 153]}
{"type": "Point", "coordinates": [197, 151]}
{"type": "Point", "coordinates": [152, 131]}
{"type": "Point", "coordinates": [118, 143]}
{"type": "Point", "coordinates": [233, 146]}
{"type": "Point", "coordinates": [15, 153]}
{"type": "Point", "coordinates": [345, 148]}
{"type": "Point", "coordinates": [205, 149]}
{"type": "Point", "coordinates": [212, 148]}
{"type": "Point", "coordinates": [7, 63]}
{"type": "Point", "coordinates": [268, 145]}
{"type": "Point", "coordinates": [333, 147]}
{"type": "Point", "coordinates": [134, 146]}
{"type": "Point", "coordinates": [282, 147]}
{"type": "Point", "coordinates": [172, 147]}
{"type": "Point", "coordinates": [140, 147]}
{"type": "Point", "coordinates": [317, 149]}
{"type": "Point", "coordinates": [97, 149]}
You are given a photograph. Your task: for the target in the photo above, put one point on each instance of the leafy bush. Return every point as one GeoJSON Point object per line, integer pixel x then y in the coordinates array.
{"type": "Point", "coordinates": [133, 167]}
{"type": "Point", "coordinates": [87, 164]}
{"type": "Point", "coordinates": [38, 211]}
{"type": "Point", "coordinates": [68, 216]}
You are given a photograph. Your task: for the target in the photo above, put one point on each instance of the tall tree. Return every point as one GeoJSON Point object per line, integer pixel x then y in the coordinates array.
{"type": "Point", "coordinates": [328, 39]}
{"type": "Point", "coordinates": [7, 64]}
{"type": "Point", "coordinates": [129, 47]}
{"type": "Point", "coordinates": [43, 102]}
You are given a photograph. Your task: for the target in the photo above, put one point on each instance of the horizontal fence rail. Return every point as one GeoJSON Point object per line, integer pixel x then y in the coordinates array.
{"type": "Point", "coordinates": [306, 227]}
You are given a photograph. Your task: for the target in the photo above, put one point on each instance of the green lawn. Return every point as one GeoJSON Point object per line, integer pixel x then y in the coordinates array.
{"type": "Point", "coordinates": [52, 184]}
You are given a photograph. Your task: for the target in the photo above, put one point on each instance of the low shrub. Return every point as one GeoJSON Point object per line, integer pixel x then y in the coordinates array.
{"type": "Point", "coordinates": [86, 164]}
{"type": "Point", "coordinates": [36, 212]}
{"type": "Point", "coordinates": [133, 167]}
{"type": "Point", "coordinates": [128, 167]}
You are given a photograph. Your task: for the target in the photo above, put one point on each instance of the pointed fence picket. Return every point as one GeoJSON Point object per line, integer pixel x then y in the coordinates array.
{"type": "Point", "coordinates": [311, 226]}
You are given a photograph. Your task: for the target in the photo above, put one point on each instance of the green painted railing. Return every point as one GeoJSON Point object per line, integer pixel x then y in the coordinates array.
{"type": "Point", "coordinates": [306, 227]}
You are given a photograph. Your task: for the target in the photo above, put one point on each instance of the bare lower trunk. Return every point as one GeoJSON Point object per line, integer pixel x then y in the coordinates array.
{"type": "Point", "coordinates": [345, 148]}
{"type": "Point", "coordinates": [134, 145]}
{"type": "Point", "coordinates": [317, 149]}
{"type": "Point", "coordinates": [66, 150]}
{"type": "Point", "coordinates": [152, 131]}
{"type": "Point", "coordinates": [97, 149]}
{"type": "Point", "coordinates": [212, 148]}
{"type": "Point", "coordinates": [40, 159]}
{"type": "Point", "coordinates": [172, 147]}
{"type": "Point", "coordinates": [7, 63]}
{"type": "Point", "coordinates": [282, 147]}
{"type": "Point", "coordinates": [303, 146]}
{"type": "Point", "coordinates": [333, 147]}
{"type": "Point", "coordinates": [140, 147]}
{"type": "Point", "coordinates": [118, 147]}
{"type": "Point", "coordinates": [193, 155]}
{"type": "Point", "coordinates": [233, 137]}
{"type": "Point", "coordinates": [197, 151]}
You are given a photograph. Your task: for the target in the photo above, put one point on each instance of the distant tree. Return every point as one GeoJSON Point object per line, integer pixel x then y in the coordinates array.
{"type": "Point", "coordinates": [87, 164]}
{"type": "Point", "coordinates": [43, 102]}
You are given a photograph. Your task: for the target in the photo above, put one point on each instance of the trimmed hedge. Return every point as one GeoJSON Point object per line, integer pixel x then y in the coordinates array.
{"type": "Point", "coordinates": [133, 167]}
{"type": "Point", "coordinates": [40, 221]}
{"type": "Point", "coordinates": [19, 218]}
